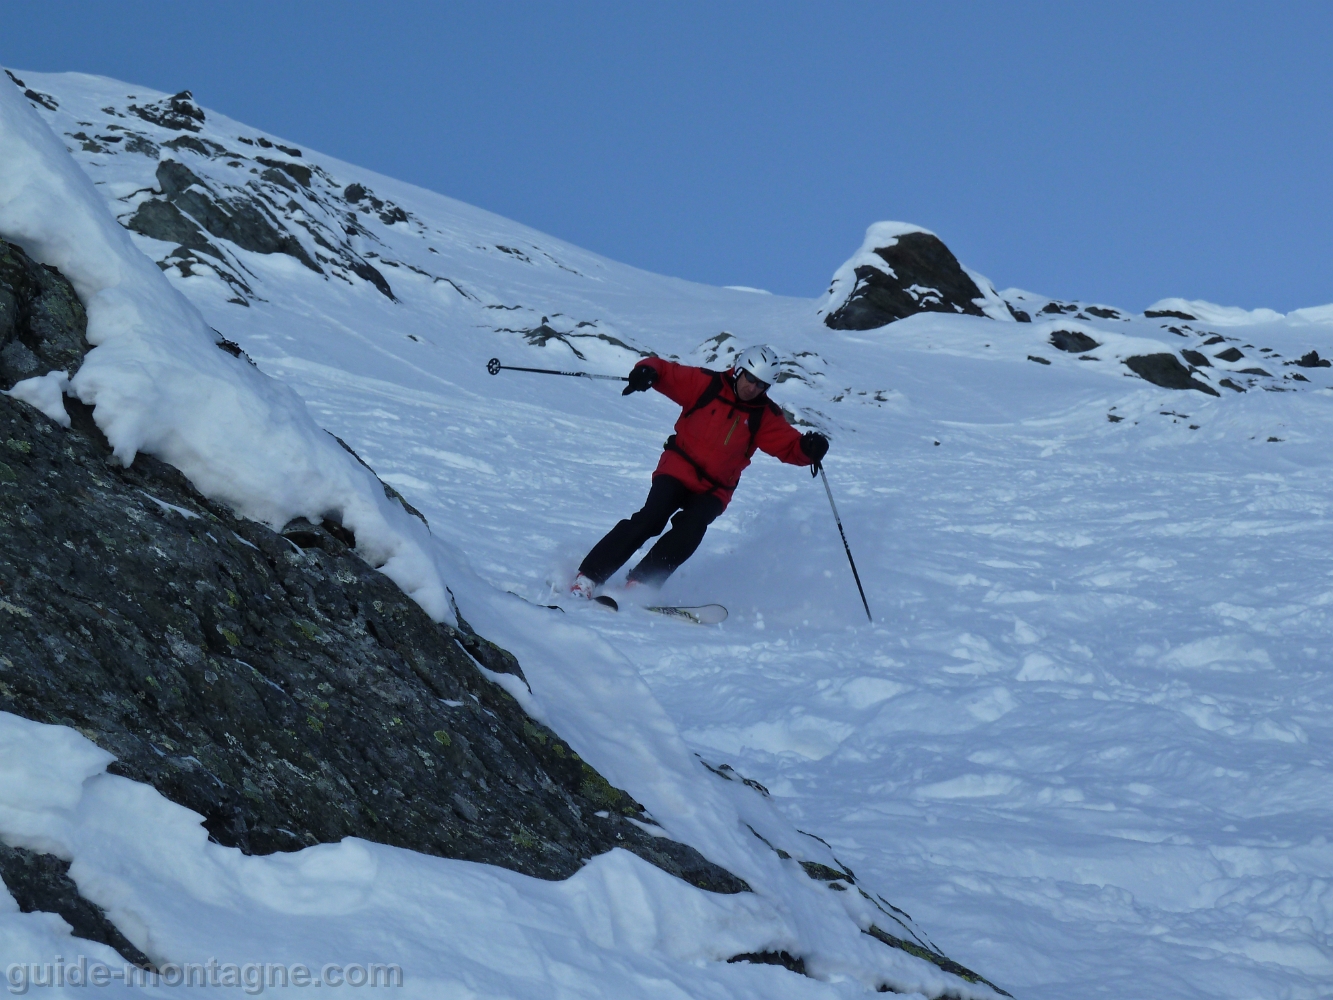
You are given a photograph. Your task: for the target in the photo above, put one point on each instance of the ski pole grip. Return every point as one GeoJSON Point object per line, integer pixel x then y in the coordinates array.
{"type": "Point", "coordinates": [493, 366]}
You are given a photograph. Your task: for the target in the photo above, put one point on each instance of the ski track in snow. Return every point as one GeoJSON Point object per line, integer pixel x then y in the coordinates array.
{"type": "Point", "coordinates": [1086, 743]}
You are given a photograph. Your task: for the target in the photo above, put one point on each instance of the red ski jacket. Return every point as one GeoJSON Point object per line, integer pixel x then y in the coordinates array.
{"type": "Point", "coordinates": [715, 441]}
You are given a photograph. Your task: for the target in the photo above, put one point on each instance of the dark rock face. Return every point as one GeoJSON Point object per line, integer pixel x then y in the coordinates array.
{"type": "Point", "coordinates": [389, 213]}
{"type": "Point", "coordinates": [45, 100]}
{"type": "Point", "coordinates": [244, 219]}
{"type": "Point", "coordinates": [299, 172]}
{"type": "Point", "coordinates": [367, 272]}
{"type": "Point", "coordinates": [924, 276]}
{"type": "Point", "coordinates": [1196, 358]}
{"type": "Point", "coordinates": [161, 220]}
{"type": "Point", "coordinates": [785, 959]}
{"type": "Point", "coordinates": [1169, 313]}
{"type": "Point", "coordinates": [1312, 360]}
{"type": "Point", "coordinates": [41, 882]}
{"type": "Point", "coordinates": [1073, 341]}
{"type": "Point", "coordinates": [1231, 354]}
{"type": "Point", "coordinates": [214, 201]}
{"type": "Point", "coordinates": [179, 112]}
{"type": "Point", "coordinates": [276, 685]}
{"type": "Point", "coordinates": [201, 146]}
{"type": "Point", "coordinates": [1167, 371]}
{"type": "Point", "coordinates": [248, 218]}
{"type": "Point", "coordinates": [141, 144]}
{"type": "Point", "coordinates": [42, 321]}
{"type": "Point", "coordinates": [244, 223]}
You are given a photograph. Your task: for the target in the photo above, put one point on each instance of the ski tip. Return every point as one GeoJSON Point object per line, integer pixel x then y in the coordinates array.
{"type": "Point", "coordinates": [607, 602]}
{"type": "Point", "coordinates": [535, 604]}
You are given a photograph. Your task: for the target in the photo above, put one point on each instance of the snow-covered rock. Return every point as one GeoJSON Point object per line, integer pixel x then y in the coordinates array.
{"type": "Point", "coordinates": [902, 270]}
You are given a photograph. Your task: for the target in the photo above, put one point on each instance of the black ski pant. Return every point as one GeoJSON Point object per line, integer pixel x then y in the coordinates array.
{"type": "Point", "coordinates": [667, 496]}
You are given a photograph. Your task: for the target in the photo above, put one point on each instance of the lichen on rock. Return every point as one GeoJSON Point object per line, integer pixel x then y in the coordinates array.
{"type": "Point", "coordinates": [288, 693]}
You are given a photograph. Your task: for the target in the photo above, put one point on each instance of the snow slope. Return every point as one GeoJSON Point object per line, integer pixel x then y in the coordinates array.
{"type": "Point", "coordinates": [1085, 742]}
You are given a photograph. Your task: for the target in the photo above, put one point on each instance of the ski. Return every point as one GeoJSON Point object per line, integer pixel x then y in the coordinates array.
{"type": "Point", "coordinates": [535, 604]}
{"type": "Point", "coordinates": [704, 614]}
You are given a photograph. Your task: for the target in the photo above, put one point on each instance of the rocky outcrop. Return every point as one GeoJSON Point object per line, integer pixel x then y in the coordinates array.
{"type": "Point", "coordinates": [276, 685]}
{"type": "Point", "coordinates": [42, 321]}
{"type": "Point", "coordinates": [1311, 359]}
{"type": "Point", "coordinates": [898, 274]}
{"type": "Point", "coordinates": [41, 882]}
{"type": "Point", "coordinates": [242, 221]}
{"type": "Point", "coordinates": [1167, 371]}
{"type": "Point", "coordinates": [178, 112]}
{"type": "Point", "coordinates": [1196, 358]}
{"type": "Point", "coordinates": [45, 100]}
{"type": "Point", "coordinates": [272, 682]}
{"type": "Point", "coordinates": [228, 200]}
{"type": "Point", "coordinates": [1073, 341]}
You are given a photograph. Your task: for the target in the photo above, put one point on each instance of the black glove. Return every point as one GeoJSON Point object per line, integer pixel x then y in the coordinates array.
{"type": "Point", "coordinates": [815, 446]}
{"type": "Point", "coordinates": [641, 379]}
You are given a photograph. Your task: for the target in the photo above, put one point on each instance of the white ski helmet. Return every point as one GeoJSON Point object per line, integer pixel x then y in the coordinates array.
{"type": "Point", "coordinates": [761, 361]}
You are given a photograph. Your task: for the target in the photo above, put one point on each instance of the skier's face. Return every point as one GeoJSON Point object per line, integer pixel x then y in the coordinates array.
{"type": "Point", "coordinates": [748, 387]}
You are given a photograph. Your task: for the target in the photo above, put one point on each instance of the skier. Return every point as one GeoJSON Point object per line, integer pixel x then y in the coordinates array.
{"type": "Point", "coordinates": [724, 417]}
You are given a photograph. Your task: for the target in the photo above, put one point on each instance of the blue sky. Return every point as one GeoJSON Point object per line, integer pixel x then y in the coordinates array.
{"type": "Point", "coordinates": [1121, 155]}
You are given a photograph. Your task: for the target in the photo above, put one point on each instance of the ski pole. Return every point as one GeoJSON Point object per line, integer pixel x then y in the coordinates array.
{"type": "Point", "coordinates": [855, 575]}
{"type": "Point", "coordinates": [494, 367]}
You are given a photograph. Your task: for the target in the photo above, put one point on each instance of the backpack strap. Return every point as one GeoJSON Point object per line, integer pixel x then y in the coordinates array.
{"type": "Point", "coordinates": [670, 445]}
{"type": "Point", "coordinates": [756, 418]}
{"type": "Point", "coordinates": [752, 422]}
{"type": "Point", "coordinates": [710, 393]}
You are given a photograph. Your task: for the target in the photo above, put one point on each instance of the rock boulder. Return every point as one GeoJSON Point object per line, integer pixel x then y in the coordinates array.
{"type": "Point", "coordinates": [42, 321]}
{"type": "Point", "coordinates": [899, 271]}
{"type": "Point", "coordinates": [278, 686]}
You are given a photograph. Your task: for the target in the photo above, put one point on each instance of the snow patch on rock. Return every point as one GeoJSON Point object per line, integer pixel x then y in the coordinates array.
{"type": "Point", "coordinates": [159, 384]}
